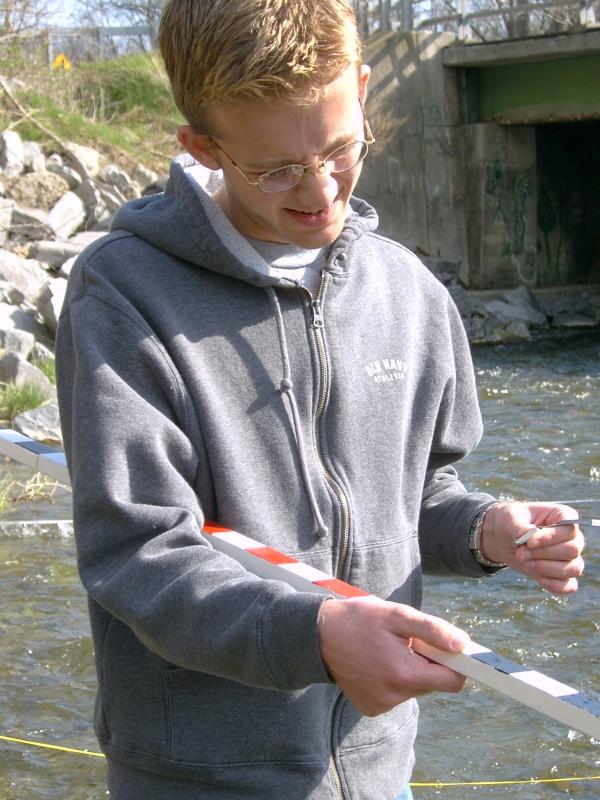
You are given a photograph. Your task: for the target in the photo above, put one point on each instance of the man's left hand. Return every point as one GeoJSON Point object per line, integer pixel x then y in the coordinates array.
{"type": "Point", "coordinates": [552, 556]}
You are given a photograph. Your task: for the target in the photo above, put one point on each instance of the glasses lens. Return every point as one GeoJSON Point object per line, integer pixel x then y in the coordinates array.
{"type": "Point", "coordinates": [278, 180]}
{"type": "Point", "coordinates": [346, 157]}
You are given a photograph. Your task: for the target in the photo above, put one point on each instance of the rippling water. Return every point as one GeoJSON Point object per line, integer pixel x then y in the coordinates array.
{"type": "Point", "coordinates": [542, 415]}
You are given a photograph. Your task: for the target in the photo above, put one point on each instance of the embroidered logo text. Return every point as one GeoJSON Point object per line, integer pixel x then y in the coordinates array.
{"type": "Point", "coordinates": [386, 370]}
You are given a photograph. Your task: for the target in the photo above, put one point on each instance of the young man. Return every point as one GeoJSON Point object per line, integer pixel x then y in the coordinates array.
{"type": "Point", "coordinates": [246, 349]}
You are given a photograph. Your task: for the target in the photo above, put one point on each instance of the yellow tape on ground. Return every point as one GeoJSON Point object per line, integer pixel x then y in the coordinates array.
{"type": "Point", "coordinates": [52, 746]}
{"type": "Point", "coordinates": [415, 785]}
{"type": "Point", "coordinates": [524, 782]}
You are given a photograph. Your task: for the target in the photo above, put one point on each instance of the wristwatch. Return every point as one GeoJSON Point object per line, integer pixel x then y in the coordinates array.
{"type": "Point", "coordinates": [475, 541]}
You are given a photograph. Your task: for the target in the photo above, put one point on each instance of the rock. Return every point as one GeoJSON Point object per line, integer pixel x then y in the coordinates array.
{"type": "Point", "coordinates": [39, 352]}
{"type": "Point", "coordinates": [26, 275]}
{"type": "Point", "coordinates": [10, 294]}
{"type": "Point", "coordinates": [523, 297]}
{"type": "Point", "coordinates": [55, 164]}
{"type": "Point", "coordinates": [38, 189]}
{"type": "Point", "coordinates": [159, 185]}
{"type": "Point", "coordinates": [54, 253]}
{"type": "Point", "coordinates": [15, 368]}
{"type": "Point", "coordinates": [89, 158]}
{"type": "Point", "coordinates": [30, 223]}
{"type": "Point", "coordinates": [14, 318]}
{"type": "Point", "coordinates": [462, 300]}
{"type": "Point", "coordinates": [573, 320]}
{"type": "Point", "coordinates": [67, 215]}
{"type": "Point", "coordinates": [17, 341]}
{"type": "Point", "coordinates": [85, 238]}
{"type": "Point", "coordinates": [12, 154]}
{"type": "Point", "coordinates": [65, 269]}
{"type": "Point", "coordinates": [114, 176]}
{"type": "Point", "coordinates": [444, 269]}
{"type": "Point", "coordinates": [35, 160]}
{"type": "Point", "coordinates": [567, 306]}
{"type": "Point", "coordinates": [50, 303]}
{"type": "Point", "coordinates": [509, 312]}
{"type": "Point", "coordinates": [143, 177]}
{"type": "Point", "coordinates": [41, 424]}
{"type": "Point", "coordinates": [98, 213]}
{"type": "Point", "coordinates": [6, 211]}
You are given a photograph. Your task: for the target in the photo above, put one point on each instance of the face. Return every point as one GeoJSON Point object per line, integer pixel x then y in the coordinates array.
{"type": "Point", "coordinates": [260, 138]}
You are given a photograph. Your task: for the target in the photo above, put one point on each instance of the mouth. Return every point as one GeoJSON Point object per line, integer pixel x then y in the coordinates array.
{"type": "Point", "coordinates": [312, 218]}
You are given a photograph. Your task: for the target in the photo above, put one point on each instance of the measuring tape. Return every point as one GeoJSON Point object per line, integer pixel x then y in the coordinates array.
{"type": "Point", "coordinates": [557, 700]}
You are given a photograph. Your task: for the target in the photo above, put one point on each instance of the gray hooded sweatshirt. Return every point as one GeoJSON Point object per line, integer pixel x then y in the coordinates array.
{"type": "Point", "coordinates": [194, 385]}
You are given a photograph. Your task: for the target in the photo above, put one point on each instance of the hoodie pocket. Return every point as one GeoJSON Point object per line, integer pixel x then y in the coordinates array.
{"type": "Point", "coordinates": [214, 721]}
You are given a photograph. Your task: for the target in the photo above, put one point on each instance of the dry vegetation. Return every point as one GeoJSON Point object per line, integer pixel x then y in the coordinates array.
{"type": "Point", "coordinates": [121, 107]}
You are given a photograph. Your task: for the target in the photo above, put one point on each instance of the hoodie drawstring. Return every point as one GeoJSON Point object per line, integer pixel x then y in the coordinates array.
{"type": "Point", "coordinates": [286, 388]}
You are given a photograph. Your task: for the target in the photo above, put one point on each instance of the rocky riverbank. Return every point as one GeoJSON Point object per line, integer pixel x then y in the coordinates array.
{"type": "Point", "coordinates": [52, 205]}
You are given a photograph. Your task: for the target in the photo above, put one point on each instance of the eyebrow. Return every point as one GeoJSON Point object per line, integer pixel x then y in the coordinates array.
{"type": "Point", "coordinates": [344, 138]}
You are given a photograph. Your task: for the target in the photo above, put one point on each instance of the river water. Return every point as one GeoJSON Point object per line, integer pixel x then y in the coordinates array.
{"type": "Point", "coordinates": [541, 408]}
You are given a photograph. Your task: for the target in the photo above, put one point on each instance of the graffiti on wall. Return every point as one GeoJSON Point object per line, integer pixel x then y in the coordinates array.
{"type": "Point", "coordinates": [509, 193]}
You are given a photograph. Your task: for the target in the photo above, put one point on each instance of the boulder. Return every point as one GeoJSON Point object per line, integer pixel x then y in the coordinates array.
{"type": "Point", "coordinates": [6, 211]}
{"type": "Point", "coordinates": [17, 341]}
{"type": "Point", "coordinates": [88, 158]}
{"type": "Point", "coordinates": [35, 160]}
{"type": "Point", "coordinates": [55, 164]}
{"type": "Point", "coordinates": [97, 212]}
{"type": "Point", "coordinates": [143, 177]}
{"type": "Point", "coordinates": [114, 176]}
{"type": "Point", "coordinates": [55, 253]}
{"type": "Point", "coordinates": [12, 154]}
{"type": "Point", "coordinates": [67, 215]}
{"type": "Point", "coordinates": [510, 312]}
{"type": "Point", "coordinates": [31, 224]}
{"type": "Point", "coordinates": [39, 352]}
{"type": "Point", "coordinates": [50, 303]}
{"type": "Point", "coordinates": [15, 368]}
{"type": "Point", "coordinates": [41, 424]}
{"type": "Point", "coordinates": [25, 274]}
{"type": "Point", "coordinates": [15, 318]}
{"type": "Point", "coordinates": [38, 189]}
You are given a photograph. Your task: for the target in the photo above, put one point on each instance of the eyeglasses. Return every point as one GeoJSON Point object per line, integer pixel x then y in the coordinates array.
{"type": "Point", "coordinates": [342, 159]}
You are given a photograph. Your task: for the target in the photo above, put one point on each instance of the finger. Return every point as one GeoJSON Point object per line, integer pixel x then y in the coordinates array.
{"type": "Point", "coordinates": [555, 534]}
{"type": "Point", "coordinates": [556, 586]}
{"type": "Point", "coordinates": [408, 622]}
{"type": "Point", "coordinates": [561, 570]}
{"type": "Point", "coordinates": [562, 551]}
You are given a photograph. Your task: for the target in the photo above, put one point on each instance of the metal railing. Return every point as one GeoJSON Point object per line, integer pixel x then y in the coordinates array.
{"type": "Point", "coordinates": [479, 20]}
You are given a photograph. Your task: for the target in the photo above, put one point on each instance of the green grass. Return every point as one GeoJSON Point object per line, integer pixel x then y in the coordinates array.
{"type": "Point", "coordinates": [48, 367]}
{"type": "Point", "coordinates": [15, 399]}
{"type": "Point", "coordinates": [122, 107]}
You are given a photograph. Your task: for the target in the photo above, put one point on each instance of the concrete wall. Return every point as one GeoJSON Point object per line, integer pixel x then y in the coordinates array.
{"type": "Point", "coordinates": [415, 176]}
{"type": "Point", "coordinates": [446, 184]}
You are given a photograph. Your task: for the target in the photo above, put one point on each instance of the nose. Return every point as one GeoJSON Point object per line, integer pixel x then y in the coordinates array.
{"type": "Point", "coordinates": [318, 186]}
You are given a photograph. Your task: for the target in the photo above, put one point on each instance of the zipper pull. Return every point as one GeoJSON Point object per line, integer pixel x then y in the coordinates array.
{"type": "Point", "coordinates": [317, 315]}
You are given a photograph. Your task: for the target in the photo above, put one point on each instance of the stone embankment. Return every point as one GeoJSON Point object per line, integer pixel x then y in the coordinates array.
{"type": "Point", "coordinates": [53, 205]}
{"type": "Point", "coordinates": [515, 315]}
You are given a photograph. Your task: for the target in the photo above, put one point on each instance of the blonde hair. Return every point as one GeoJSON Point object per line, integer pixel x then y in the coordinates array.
{"type": "Point", "coordinates": [279, 51]}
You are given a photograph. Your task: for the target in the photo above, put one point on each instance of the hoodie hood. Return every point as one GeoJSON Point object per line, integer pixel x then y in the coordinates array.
{"type": "Point", "coordinates": [182, 221]}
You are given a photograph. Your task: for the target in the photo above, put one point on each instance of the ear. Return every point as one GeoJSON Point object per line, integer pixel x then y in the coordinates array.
{"type": "Point", "coordinates": [198, 145]}
{"type": "Point", "coordinates": [363, 80]}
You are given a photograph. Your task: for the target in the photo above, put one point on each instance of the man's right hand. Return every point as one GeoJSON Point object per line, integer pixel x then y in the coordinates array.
{"type": "Point", "coordinates": [366, 647]}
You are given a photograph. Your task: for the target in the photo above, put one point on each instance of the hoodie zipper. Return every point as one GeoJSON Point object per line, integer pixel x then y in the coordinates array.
{"type": "Point", "coordinates": [317, 325]}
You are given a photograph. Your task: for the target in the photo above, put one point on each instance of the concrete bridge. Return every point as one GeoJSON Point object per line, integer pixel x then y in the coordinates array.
{"type": "Point", "coordinates": [489, 151]}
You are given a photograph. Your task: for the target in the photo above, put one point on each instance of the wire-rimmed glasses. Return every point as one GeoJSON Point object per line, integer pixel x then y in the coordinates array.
{"type": "Point", "coordinates": [282, 179]}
